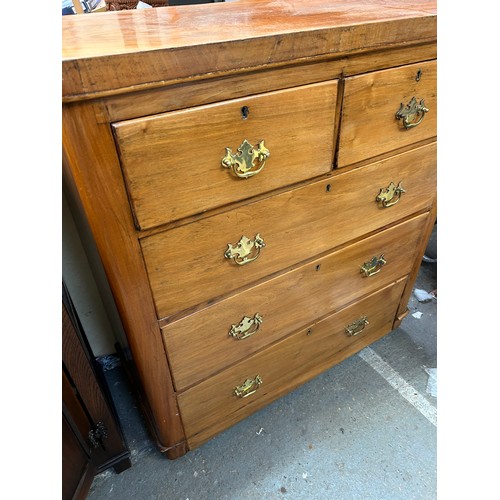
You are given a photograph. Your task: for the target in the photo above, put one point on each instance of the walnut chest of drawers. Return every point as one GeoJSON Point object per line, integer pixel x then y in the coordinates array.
{"type": "Point", "coordinates": [260, 181]}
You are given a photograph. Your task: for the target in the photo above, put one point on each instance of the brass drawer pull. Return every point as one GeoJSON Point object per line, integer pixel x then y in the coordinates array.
{"type": "Point", "coordinates": [373, 266]}
{"type": "Point", "coordinates": [98, 434]}
{"type": "Point", "coordinates": [356, 327]}
{"type": "Point", "coordinates": [412, 114]}
{"type": "Point", "coordinates": [248, 387]}
{"type": "Point", "coordinates": [247, 161]}
{"type": "Point", "coordinates": [245, 251]}
{"type": "Point", "coordinates": [246, 327]}
{"type": "Point", "coordinates": [390, 195]}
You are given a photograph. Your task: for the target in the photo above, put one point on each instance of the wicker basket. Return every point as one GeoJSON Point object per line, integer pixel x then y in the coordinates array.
{"type": "Point", "coordinates": [121, 4]}
{"type": "Point", "coordinates": [157, 3]}
{"type": "Point", "coordinates": [132, 4]}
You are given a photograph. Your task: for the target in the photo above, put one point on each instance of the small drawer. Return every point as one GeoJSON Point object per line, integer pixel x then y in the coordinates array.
{"type": "Point", "coordinates": [186, 162]}
{"type": "Point", "coordinates": [237, 392]}
{"type": "Point", "coordinates": [220, 335]}
{"type": "Point", "coordinates": [386, 110]}
{"type": "Point", "coordinates": [204, 261]}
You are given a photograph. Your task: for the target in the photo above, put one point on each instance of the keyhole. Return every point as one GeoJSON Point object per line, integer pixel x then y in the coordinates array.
{"type": "Point", "coordinates": [244, 112]}
{"type": "Point", "coordinates": [419, 75]}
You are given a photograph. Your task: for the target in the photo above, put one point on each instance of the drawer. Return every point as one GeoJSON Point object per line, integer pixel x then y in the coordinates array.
{"type": "Point", "coordinates": [212, 406]}
{"type": "Point", "coordinates": [201, 344]}
{"type": "Point", "coordinates": [187, 266]}
{"type": "Point", "coordinates": [371, 101]}
{"type": "Point", "coordinates": [172, 163]}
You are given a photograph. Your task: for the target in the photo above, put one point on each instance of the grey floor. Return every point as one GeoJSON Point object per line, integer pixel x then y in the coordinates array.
{"type": "Point", "coordinates": [365, 429]}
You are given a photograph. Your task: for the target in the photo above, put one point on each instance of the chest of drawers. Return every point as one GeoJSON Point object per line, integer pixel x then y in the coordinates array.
{"type": "Point", "coordinates": [260, 181]}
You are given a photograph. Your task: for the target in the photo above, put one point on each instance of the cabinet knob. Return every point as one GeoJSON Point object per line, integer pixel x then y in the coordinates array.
{"type": "Point", "coordinates": [247, 161]}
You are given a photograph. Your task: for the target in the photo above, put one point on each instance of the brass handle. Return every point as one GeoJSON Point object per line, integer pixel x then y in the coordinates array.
{"type": "Point", "coordinates": [98, 434]}
{"type": "Point", "coordinates": [248, 387]}
{"type": "Point", "coordinates": [373, 266]}
{"type": "Point", "coordinates": [245, 251]}
{"type": "Point", "coordinates": [390, 195]}
{"type": "Point", "coordinates": [412, 114]}
{"type": "Point", "coordinates": [246, 327]}
{"type": "Point", "coordinates": [247, 161]}
{"type": "Point", "coordinates": [356, 327]}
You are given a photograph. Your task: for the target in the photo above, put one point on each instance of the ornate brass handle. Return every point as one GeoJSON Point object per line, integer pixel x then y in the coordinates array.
{"type": "Point", "coordinates": [245, 251]}
{"type": "Point", "coordinates": [412, 114]}
{"type": "Point", "coordinates": [373, 266]}
{"type": "Point", "coordinates": [390, 195]}
{"type": "Point", "coordinates": [246, 327]}
{"type": "Point", "coordinates": [247, 161]}
{"type": "Point", "coordinates": [356, 327]}
{"type": "Point", "coordinates": [98, 434]}
{"type": "Point", "coordinates": [248, 387]}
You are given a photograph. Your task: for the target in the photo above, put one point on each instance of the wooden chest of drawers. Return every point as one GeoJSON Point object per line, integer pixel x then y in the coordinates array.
{"type": "Point", "coordinates": [260, 181]}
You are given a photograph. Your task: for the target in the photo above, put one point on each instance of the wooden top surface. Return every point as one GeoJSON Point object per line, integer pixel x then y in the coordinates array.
{"type": "Point", "coordinates": [164, 44]}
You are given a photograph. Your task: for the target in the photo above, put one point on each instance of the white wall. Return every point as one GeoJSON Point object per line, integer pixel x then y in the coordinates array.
{"type": "Point", "coordinates": [83, 275]}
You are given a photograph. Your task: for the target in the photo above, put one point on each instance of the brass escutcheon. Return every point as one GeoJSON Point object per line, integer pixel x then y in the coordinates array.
{"type": "Point", "coordinates": [373, 266]}
{"type": "Point", "coordinates": [248, 387]}
{"type": "Point", "coordinates": [246, 327]}
{"type": "Point", "coordinates": [390, 195]}
{"type": "Point", "coordinates": [247, 161]}
{"type": "Point", "coordinates": [412, 114]}
{"type": "Point", "coordinates": [245, 251]}
{"type": "Point", "coordinates": [356, 327]}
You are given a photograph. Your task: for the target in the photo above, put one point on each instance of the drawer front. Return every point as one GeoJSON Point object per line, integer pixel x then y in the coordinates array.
{"type": "Point", "coordinates": [205, 342]}
{"type": "Point", "coordinates": [172, 163]}
{"type": "Point", "coordinates": [187, 265]}
{"type": "Point", "coordinates": [371, 101]}
{"type": "Point", "coordinates": [212, 406]}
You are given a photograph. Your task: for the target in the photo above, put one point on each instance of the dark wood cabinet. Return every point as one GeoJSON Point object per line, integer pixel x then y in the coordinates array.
{"type": "Point", "coordinates": [92, 440]}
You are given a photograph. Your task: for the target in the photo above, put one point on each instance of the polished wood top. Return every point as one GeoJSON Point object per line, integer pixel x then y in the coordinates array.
{"type": "Point", "coordinates": [151, 45]}
{"type": "Point", "coordinates": [171, 27]}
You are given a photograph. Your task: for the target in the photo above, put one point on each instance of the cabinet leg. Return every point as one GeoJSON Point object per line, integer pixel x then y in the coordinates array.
{"type": "Point", "coordinates": [122, 465]}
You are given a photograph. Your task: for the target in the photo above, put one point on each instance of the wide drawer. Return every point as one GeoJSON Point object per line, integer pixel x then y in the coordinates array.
{"type": "Point", "coordinates": [372, 101]}
{"type": "Point", "coordinates": [172, 163]}
{"type": "Point", "coordinates": [187, 265]}
{"type": "Point", "coordinates": [220, 335]}
{"type": "Point", "coordinates": [212, 406]}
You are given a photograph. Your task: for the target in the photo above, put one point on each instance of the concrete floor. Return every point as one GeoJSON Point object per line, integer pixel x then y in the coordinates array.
{"type": "Point", "coordinates": [365, 429]}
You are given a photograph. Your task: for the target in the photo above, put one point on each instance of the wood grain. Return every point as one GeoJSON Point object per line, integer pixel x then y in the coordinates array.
{"type": "Point", "coordinates": [93, 173]}
{"type": "Point", "coordinates": [288, 364]}
{"type": "Point", "coordinates": [77, 470]}
{"type": "Point", "coordinates": [199, 344]}
{"type": "Point", "coordinates": [186, 265]}
{"type": "Point", "coordinates": [172, 162]}
{"type": "Point", "coordinates": [420, 250]}
{"type": "Point", "coordinates": [171, 97]}
{"type": "Point", "coordinates": [92, 401]}
{"type": "Point", "coordinates": [109, 52]}
{"type": "Point", "coordinates": [369, 126]}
